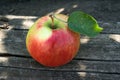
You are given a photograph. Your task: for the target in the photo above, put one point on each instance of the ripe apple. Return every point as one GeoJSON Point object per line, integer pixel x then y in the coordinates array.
{"type": "Point", "coordinates": [51, 43]}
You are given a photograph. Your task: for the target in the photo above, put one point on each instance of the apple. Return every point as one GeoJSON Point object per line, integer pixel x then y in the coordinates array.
{"type": "Point", "coordinates": [50, 41]}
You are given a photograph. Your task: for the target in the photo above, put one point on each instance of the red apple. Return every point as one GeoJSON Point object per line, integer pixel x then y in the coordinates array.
{"type": "Point", "coordinates": [51, 43]}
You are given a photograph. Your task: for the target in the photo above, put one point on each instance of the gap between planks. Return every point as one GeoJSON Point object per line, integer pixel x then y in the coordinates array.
{"type": "Point", "coordinates": [73, 66]}
{"type": "Point", "coordinates": [82, 59]}
{"type": "Point", "coordinates": [118, 73]}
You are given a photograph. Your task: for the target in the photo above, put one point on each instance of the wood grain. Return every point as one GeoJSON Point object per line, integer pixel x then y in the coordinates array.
{"type": "Point", "coordinates": [108, 27]}
{"type": "Point", "coordinates": [107, 67]}
{"type": "Point", "coordinates": [101, 47]}
{"type": "Point", "coordinates": [98, 58]}
{"type": "Point", "coordinates": [16, 68]}
{"type": "Point", "coordinates": [25, 74]}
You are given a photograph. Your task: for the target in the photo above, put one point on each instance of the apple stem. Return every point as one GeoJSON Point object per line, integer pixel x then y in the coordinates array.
{"type": "Point", "coordinates": [51, 16]}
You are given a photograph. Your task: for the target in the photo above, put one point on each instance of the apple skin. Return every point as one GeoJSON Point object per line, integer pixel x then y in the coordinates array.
{"type": "Point", "coordinates": [52, 47]}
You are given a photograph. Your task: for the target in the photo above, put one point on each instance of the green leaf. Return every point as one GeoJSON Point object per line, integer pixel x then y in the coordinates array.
{"type": "Point", "coordinates": [83, 23]}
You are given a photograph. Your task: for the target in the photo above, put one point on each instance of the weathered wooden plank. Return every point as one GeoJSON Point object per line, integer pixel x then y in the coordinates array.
{"type": "Point", "coordinates": [107, 15]}
{"type": "Point", "coordinates": [26, 74]}
{"type": "Point", "coordinates": [109, 27]}
{"type": "Point", "coordinates": [88, 76]}
{"type": "Point", "coordinates": [13, 42]}
{"type": "Point", "coordinates": [104, 46]}
{"type": "Point", "coordinates": [101, 47]}
{"type": "Point", "coordinates": [110, 11]}
{"type": "Point", "coordinates": [25, 22]}
{"type": "Point", "coordinates": [108, 67]}
{"type": "Point", "coordinates": [7, 73]}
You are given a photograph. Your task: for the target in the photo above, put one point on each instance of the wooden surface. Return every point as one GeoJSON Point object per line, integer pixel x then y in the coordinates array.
{"type": "Point", "coordinates": [98, 58]}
